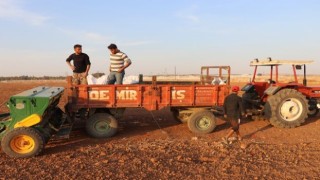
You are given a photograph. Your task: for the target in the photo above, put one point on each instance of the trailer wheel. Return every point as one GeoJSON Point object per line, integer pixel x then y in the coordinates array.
{"type": "Point", "coordinates": [287, 109]}
{"type": "Point", "coordinates": [202, 122]}
{"type": "Point", "coordinates": [23, 142]}
{"type": "Point", "coordinates": [101, 125]}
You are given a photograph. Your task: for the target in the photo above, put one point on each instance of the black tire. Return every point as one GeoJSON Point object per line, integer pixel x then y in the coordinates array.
{"type": "Point", "coordinates": [287, 109]}
{"type": "Point", "coordinates": [202, 122]}
{"type": "Point", "coordinates": [180, 117]}
{"type": "Point", "coordinates": [313, 112]}
{"type": "Point", "coordinates": [313, 108]}
{"type": "Point", "coordinates": [101, 125]}
{"type": "Point", "coordinates": [23, 142]}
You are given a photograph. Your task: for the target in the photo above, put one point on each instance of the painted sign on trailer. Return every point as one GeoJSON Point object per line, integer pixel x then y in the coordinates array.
{"type": "Point", "coordinates": [150, 97]}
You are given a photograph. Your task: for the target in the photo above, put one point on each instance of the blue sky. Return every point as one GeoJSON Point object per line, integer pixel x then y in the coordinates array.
{"type": "Point", "coordinates": [36, 36]}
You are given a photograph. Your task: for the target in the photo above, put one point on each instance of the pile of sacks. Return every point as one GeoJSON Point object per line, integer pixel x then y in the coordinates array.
{"type": "Point", "coordinates": [218, 81]}
{"type": "Point", "coordinates": [104, 80]}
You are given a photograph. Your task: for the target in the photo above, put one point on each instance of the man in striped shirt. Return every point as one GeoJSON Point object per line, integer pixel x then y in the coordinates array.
{"type": "Point", "coordinates": [119, 61]}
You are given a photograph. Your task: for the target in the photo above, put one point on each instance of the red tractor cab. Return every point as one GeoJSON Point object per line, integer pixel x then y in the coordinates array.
{"type": "Point", "coordinates": [282, 100]}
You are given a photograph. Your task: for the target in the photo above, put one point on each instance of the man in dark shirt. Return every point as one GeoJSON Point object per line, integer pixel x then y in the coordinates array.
{"type": "Point", "coordinates": [233, 111]}
{"type": "Point", "coordinates": [80, 67]}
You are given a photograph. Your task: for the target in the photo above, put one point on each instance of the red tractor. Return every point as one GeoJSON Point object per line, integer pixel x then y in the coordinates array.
{"type": "Point", "coordinates": [284, 104]}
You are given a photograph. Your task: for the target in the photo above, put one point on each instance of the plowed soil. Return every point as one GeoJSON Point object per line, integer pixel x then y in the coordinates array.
{"type": "Point", "coordinates": [144, 150]}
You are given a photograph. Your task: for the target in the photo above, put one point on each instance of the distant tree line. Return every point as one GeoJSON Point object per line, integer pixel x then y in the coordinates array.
{"type": "Point", "coordinates": [97, 75]}
{"type": "Point", "coordinates": [32, 78]}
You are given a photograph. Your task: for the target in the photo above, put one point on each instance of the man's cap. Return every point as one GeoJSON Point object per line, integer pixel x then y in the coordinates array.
{"type": "Point", "coordinates": [112, 46]}
{"type": "Point", "coordinates": [235, 88]}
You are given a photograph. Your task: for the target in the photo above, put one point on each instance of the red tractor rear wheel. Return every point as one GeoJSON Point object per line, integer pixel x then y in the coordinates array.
{"type": "Point", "coordinates": [288, 108]}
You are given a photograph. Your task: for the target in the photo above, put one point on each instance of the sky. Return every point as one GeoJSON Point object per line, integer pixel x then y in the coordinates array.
{"type": "Point", "coordinates": [36, 36]}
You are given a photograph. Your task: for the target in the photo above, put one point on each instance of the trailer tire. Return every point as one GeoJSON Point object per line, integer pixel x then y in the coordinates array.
{"type": "Point", "coordinates": [101, 125]}
{"type": "Point", "coordinates": [23, 142]}
{"type": "Point", "coordinates": [287, 109]}
{"type": "Point", "coordinates": [202, 122]}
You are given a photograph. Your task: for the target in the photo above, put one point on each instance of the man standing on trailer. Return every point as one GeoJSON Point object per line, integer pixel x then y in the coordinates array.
{"type": "Point", "coordinates": [119, 61]}
{"type": "Point", "coordinates": [81, 65]}
{"type": "Point", "coordinates": [233, 111]}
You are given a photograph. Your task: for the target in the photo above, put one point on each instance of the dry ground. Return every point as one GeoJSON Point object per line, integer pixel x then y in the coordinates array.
{"type": "Point", "coordinates": [143, 151]}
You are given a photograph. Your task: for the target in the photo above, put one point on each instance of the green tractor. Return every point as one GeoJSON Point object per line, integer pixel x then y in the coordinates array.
{"type": "Point", "coordinates": [34, 117]}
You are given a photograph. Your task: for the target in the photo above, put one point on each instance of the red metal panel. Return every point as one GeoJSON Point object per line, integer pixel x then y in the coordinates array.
{"type": "Point", "coordinates": [261, 87]}
{"type": "Point", "coordinates": [205, 95]}
{"type": "Point", "coordinates": [181, 95]}
{"type": "Point", "coordinates": [100, 96]}
{"type": "Point", "coordinates": [146, 96]}
{"type": "Point", "coordinates": [313, 92]}
{"type": "Point", "coordinates": [150, 97]}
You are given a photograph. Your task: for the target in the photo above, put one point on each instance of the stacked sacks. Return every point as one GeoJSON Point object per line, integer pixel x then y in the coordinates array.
{"type": "Point", "coordinates": [104, 80]}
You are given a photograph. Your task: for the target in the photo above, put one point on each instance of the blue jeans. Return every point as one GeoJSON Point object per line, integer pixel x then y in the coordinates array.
{"type": "Point", "coordinates": [115, 77]}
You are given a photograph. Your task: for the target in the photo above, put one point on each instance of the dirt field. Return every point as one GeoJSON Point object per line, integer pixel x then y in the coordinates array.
{"type": "Point", "coordinates": [143, 151]}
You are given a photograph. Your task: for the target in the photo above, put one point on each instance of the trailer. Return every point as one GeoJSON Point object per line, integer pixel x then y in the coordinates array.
{"type": "Point", "coordinates": [35, 116]}
{"type": "Point", "coordinates": [195, 103]}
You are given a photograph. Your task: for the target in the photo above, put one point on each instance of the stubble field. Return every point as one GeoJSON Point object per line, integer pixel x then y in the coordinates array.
{"type": "Point", "coordinates": [142, 150]}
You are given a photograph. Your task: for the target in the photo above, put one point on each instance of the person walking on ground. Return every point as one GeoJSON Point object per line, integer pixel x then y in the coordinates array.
{"type": "Point", "coordinates": [80, 67]}
{"type": "Point", "coordinates": [119, 61]}
{"type": "Point", "coordinates": [233, 111]}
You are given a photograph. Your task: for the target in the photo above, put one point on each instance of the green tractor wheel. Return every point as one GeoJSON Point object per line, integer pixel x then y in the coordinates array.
{"type": "Point", "coordinates": [101, 125]}
{"type": "Point", "coordinates": [23, 142]}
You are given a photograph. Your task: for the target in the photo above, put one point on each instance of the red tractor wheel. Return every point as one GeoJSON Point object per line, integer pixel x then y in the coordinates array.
{"type": "Point", "coordinates": [288, 108]}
